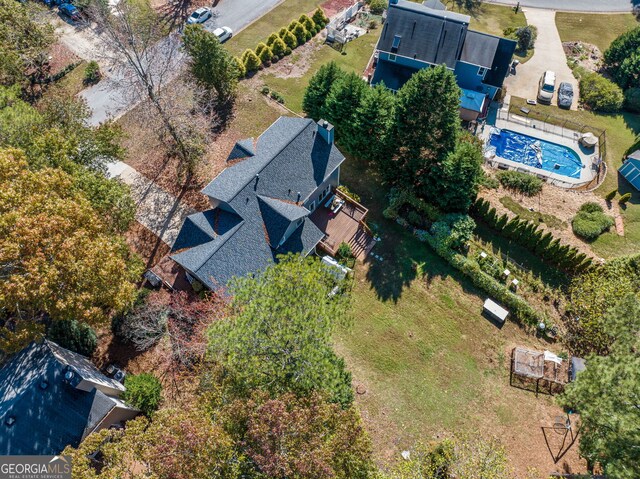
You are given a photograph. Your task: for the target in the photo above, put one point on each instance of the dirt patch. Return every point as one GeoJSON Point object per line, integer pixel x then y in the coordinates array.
{"type": "Point", "coordinates": [298, 63]}
{"type": "Point", "coordinates": [333, 7]}
{"type": "Point", "coordinates": [559, 202]}
{"type": "Point", "coordinates": [60, 57]}
{"type": "Point", "coordinates": [586, 55]}
{"type": "Point", "coordinates": [141, 240]}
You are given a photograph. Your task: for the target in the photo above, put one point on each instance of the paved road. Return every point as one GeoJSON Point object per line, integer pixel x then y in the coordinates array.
{"type": "Point", "coordinates": [548, 55]}
{"type": "Point", "coordinates": [596, 6]}
{"type": "Point", "coordinates": [107, 99]}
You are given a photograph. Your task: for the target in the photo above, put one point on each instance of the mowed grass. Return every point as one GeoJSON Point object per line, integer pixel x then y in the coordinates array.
{"type": "Point", "coordinates": [598, 29]}
{"type": "Point", "coordinates": [622, 131]}
{"type": "Point", "coordinates": [429, 362]}
{"type": "Point", "coordinates": [495, 19]}
{"type": "Point", "coordinates": [270, 23]}
{"type": "Point", "coordinates": [354, 58]}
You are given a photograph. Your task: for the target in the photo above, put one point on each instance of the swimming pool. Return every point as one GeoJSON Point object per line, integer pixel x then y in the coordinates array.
{"type": "Point", "coordinates": [536, 153]}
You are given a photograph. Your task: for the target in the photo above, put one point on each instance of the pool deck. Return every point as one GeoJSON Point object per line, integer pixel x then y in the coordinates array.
{"type": "Point", "coordinates": [567, 138]}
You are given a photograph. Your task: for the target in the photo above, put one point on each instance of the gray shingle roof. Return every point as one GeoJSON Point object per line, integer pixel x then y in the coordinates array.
{"type": "Point", "coordinates": [501, 62]}
{"type": "Point", "coordinates": [433, 36]}
{"type": "Point", "coordinates": [260, 196]}
{"type": "Point", "coordinates": [479, 49]}
{"type": "Point", "coordinates": [49, 413]}
{"type": "Point", "coordinates": [242, 149]}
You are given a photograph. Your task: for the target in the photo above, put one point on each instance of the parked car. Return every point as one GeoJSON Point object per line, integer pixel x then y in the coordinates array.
{"type": "Point", "coordinates": [70, 11]}
{"type": "Point", "coordinates": [201, 15]}
{"type": "Point", "coordinates": [223, 33]}
{"type": "Point", "coordinates": [565, 95]}
{"type": "Point", "coordinates": [547, 87]}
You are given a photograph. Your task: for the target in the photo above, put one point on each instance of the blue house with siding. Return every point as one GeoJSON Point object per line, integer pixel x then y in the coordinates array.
{"type": "Point", "coordinates": [417, 36]}
{"type": "Point", "coordinates": [630, 169]}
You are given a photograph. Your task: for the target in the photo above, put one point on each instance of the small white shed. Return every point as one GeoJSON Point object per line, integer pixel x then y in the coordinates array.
{"type": "Point", "coordinates": [495, 311]}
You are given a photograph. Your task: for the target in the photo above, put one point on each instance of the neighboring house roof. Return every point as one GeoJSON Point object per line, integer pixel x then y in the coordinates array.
{"type": "Point", "coordinates": [501, 62]}
{"type": "Point", "coordinates": [41, 411]}
{"type": "Point", "coordinates": [630, 169]}
{"type": "Point", "coordinates": [259, 199]}
{"type": "Point", "coordinates": [415, 31]}
{"type": "Point", "coordinates": [479, 49]}
{"type": "Point", "coordinates": [472, 100]}
{"type": "Point", "coordinates": [428, 34]}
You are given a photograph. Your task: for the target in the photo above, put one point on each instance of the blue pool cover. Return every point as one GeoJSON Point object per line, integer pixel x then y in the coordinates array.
{"type": "Point", "coordinates": [524, 149]}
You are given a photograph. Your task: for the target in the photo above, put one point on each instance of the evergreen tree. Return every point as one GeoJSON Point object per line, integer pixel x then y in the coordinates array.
{"type": "Point", "coordinates": [457, 179]}
{"type": "Point", "coordinates": [301, 33]}
{"type": "Point", "coordinates": [264, 53]}
{"type": "Point", "coordinates": [343, 102]}
{"type": "Point", "coordinates": [319, 18]}
{"type": "Point", "coordinates": [279, 48]}
{"type": "Point", "coordinates": [370, 136]}
{"type": "Point", "coordinates": [288, 38]}
{"type": "Point", "coordinates": [427, 125]}
{"type": "Point", "coordinates": [318, 89]}
{"type": "Point", "coordinates": [210, 63]}
{"type": "Point", "coordinates": [251, 61]}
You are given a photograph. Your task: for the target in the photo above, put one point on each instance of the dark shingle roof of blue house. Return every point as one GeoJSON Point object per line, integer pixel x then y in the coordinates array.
{"type": "Point", "coordinates": [501, 62]}
{"type": "Point", "coordinates": [479, 49]}
{"type": "Point", "coordinates": [48, 413]}
{"type": "Point", "coordinates": [428, 35]}
{"type": "Point", "coordinates": [259, 198]}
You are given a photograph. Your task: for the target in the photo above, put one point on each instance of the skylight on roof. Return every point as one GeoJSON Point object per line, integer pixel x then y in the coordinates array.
{"type": "Point", "coordinates": [396, 43]}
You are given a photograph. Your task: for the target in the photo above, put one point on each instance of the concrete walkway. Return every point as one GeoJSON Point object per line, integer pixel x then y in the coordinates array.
{"type": "Point", "coordinates": [157, 210]}
{"type": "Point", "coordinates": [548, 55]}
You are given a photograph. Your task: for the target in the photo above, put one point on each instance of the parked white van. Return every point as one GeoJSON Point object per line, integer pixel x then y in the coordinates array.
{"type": "Point", "coordinates": [547, 87]}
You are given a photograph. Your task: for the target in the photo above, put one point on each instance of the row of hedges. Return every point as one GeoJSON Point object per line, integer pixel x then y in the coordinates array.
{"type": "Point", "coordinates": [530, 236]}
{"type": "Point", "coordinates": [516, 305]}
{"type": "Point", "coordinates": [282, 43]}
{"type": "Point", "coordinates": [524, 183]}
{"type": "Point", "coordinates": [416, 211]}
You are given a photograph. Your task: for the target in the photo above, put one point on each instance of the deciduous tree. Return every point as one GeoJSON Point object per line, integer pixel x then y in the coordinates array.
{"type": "Point", "coordinates": [56, 255]}
{"type": "Point", "coordinates": [622, 59]}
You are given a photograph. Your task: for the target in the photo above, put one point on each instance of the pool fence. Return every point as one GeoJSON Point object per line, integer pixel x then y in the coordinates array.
{"type": "Point", "coordinates": [563, 128]}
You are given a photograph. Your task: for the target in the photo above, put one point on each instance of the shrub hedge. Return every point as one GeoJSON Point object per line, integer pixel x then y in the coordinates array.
{"type": "Point", "coordinates": [591, 221]}
{"type": "Point", "coordinates": [524, 183]}
{"type": "Point", "coordinates": [624, 198]}
{"type": "Point", "coordinates": [600, 94]}
{"type": "Point", "coordinates": [531, 237]}
{"type": "Point", "coordinates": [516, 305]}
{"type": "Point", "coordinates": [282, 43]}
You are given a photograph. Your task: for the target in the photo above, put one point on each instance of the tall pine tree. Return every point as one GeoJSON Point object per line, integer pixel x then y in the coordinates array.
{"type": "Point", "coordinates": [343, 101]}
{"type": "Point", "coordinates": [427, 125]}
{"type": "Point", "coordinates": [319, 86]}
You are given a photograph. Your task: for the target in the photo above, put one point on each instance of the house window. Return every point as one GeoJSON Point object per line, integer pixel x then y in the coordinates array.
{"type": "Point", "coordinates": [299, 222]}
{"type": "Point", "coordinates": [482, 71]}
{"type": "Point", "coordinates": [312, 206]}
{"type": "Point", "coordinates": [392, 57]}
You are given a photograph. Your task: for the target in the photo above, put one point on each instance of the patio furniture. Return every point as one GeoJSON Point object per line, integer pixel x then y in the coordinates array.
{"type": "Point", "coordinates": [589, 140]}
{"type": "Point", "coordinates": [338, 206]}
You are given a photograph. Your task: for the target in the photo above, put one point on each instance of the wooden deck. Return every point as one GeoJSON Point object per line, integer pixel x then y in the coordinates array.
{"type": "Point", "coordinates": [346, 226]}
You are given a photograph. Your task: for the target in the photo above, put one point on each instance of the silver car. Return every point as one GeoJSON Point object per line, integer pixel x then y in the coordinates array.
{"type": "Point", "coordinates": [565, 95]}
{"type": "Point", "coordinates": [201, 15]}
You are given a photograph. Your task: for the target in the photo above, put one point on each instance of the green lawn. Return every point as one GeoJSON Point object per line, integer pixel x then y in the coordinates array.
{"type": "Point", "coordinates": [429, 361]}
{"type": "Point", "coordinates": [594, 28]}
{"type": "Point", "coordinates": [270, 23]}
{"type": "Point", "coordinates": [354, 58]}
{"type": "Point", "coordinates": [494, 19]}
{"type": "Point", "coordinates": [622, 132]}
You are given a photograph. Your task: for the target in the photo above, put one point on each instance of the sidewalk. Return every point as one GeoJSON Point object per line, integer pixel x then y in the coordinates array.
{"type": "Point", "coordinates": [157, 210]}
{"type": "Point", "coordinates": [548, 55]}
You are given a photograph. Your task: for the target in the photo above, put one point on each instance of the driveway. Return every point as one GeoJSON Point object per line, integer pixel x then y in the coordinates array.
{"type": "Point", "coordinates": [548, 55]}
{"type": "Point", "coordinates": [107, 99]}
{"type": "Point", "coordinates": [595, 6]}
